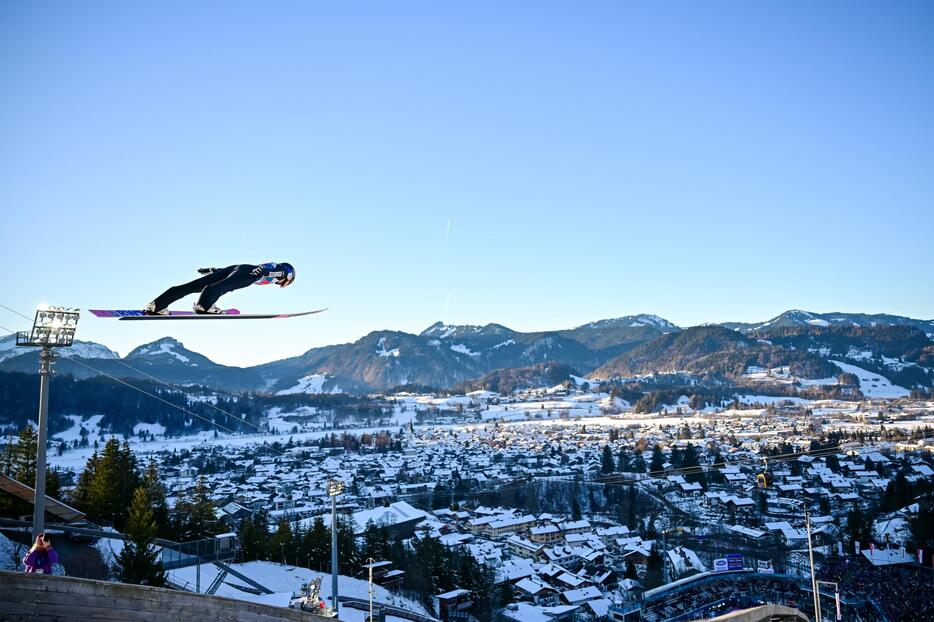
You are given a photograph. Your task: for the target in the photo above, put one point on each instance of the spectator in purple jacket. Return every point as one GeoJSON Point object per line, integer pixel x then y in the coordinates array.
{"type": "Point", "coordinates": [41, 556]}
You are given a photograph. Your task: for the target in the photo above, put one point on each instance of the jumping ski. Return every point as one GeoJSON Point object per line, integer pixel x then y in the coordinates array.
{"type": "Point", "coordinates": [230, 314]}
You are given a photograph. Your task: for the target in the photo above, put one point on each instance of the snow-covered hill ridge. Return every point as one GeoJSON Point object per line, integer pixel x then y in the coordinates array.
{"type": "Point", "coordinates": [633, 321]}
{"type": "Point", "coordinates": [444, 355]}
{"type": "Point", "coordinates": [80, 349]}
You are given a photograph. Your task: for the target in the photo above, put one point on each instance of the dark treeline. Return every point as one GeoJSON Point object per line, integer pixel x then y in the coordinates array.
{"type": "Point", "coordinates": [124, 406]}
{"type": "Point", "coordinates": [514, 379]}
{"type": "Point", "coordinates": [883, 341]}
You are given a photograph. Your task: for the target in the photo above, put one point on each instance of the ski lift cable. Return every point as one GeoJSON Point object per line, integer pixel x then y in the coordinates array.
{"type": "Point", "coordinates": [150, 376]}
{"type": "Point", "coordinates": [817, 453]}
{"type": "Point", "coordinates": [514, 485]}
{"type": "Point", "coordinates": [706, 467]}
{"type": "Point", "coordinates": [152, 395]}
{"type": "Point", "coordinates": [519, 483]}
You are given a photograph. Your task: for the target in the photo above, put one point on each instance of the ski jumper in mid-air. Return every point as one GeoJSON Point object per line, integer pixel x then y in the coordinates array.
{"type": "Point", "coordinates": [216, 282]}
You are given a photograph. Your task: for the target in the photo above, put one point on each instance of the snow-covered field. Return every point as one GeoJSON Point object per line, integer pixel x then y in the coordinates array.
{"type": "Point", "coordinates": [872, 384]}
{"type": "Point", "coordinates": [310, 384]}
{"type": "Point", "coordinates": [91, 424]}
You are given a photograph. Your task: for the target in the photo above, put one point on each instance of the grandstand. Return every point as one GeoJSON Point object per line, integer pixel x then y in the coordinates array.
{"type": "Point", "coordinates": [711, 594]}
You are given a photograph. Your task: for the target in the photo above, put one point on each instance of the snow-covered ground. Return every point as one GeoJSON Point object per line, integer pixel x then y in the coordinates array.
{"type": "Point", "coordinates": [872, 384]}
{"type": "Point", "coordinates": [156, 429]}
{"type": "Point", "coordinates": [91, 424]}
{"type": "Point", "coordinates": [286, 581]}
{"type": "Point", "coordinates": [310, 384]}
{"type": "Point", "coordinates": [462, 349]}
{"type": "Point", "coordinates": [10, 554]}
{"type": "Point", "coordinates": [383, 352]}
{"type": "Point", "coordinates": [110, 548]}
{"type": "Point", "coordinates": [164, 347]}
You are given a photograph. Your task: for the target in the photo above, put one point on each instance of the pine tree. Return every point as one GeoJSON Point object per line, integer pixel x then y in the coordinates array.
{"type": "Point", "coordinates": [319, 543]}
{"type": "Point", "coordinates": [282, 542]}
{"type": "Point", "coordinates": [638, 463]}
{"type": "Point", "coordinates": [689, 459]}
{"type": "Point", "coordinates": [138, 561]}
{"type": "Point", "coordinates": [375, 542]}
{"type": "Point", "coordinates": [24, 456]}
{"type": "Point", "coordinates": [480, 580]}
{"type": "Point", "coordinates": [606, 461]}
{"type": "Point", "coordinates": [622, 461]}
{"type": "Point", "coordinates": [859, 527]}
{"type": "Point", "coordinates": [253, 537]}
{"type": "Point", "coordinates": [155, 490]}
{"type": "Point", "coordinates": [631, 521]}
{"type": "Point", "coordinates": [348, 556]}
{"type": "Point", "coordinates": [654, 568]}
{"type": "Point", "coordinates": [19, 462]}
{"type": "Point", "coordinates": [194, 516]}
{"type": "Point", "coordinates": [106, 487]}
{"type": "Point", "coordinates": [631, 572]}
{"type": "Point", "coordinates": [657, 464]}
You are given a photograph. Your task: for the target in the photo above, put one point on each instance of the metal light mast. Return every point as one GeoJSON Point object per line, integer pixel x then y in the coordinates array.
{"type": "Point", "coordinates": [335, 487]}
{"type": "Point", "coordinates": [53, 327]}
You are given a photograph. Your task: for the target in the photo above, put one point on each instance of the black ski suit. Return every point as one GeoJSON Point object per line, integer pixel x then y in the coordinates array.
{"type": "Point", "coordinates": [219, 281]}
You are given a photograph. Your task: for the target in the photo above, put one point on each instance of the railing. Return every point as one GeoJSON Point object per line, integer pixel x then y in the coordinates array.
{"type": "Point", "coordinates": [183, 554]}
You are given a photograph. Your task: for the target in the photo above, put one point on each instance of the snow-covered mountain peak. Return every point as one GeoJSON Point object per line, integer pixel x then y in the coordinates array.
{"type": "Point", "coordinates": [79, 349]}
{"type": "Point", "coordinates": [635, 321]}
{"type": "Point", "coordinates": [89, 350]}
{"type": "Point", "coordinates": [440, 330]}
{"type": "Point", "coordinates": [165, 347]}
{"type": "Point", "coordinates": [8, 348]}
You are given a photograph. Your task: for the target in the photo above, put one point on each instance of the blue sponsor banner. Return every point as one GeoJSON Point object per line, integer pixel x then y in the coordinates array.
{"type": "Point", "coordinates": [734, 561]}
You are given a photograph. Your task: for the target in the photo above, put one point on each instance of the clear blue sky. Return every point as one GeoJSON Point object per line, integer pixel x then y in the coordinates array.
{"type": "Point", "coordinates": [540, 165]}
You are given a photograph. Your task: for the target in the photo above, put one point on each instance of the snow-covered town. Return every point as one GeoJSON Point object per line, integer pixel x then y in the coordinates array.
{"type": "Point", "coordinates": [466, 311]}
{"type": "Point", "coordinates": [578, 508]}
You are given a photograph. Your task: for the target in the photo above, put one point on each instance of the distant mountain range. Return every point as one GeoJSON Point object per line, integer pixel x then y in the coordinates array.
{"type": "Point", "coordinates": [796, 317]}
{"type": "Point", "coordinates": [445, 356]}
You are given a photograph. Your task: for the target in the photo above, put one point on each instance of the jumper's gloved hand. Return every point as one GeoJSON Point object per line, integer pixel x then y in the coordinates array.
{"type": "Point", "coordinates": [206, 270]}
{"type": "Point", "coordinates": [257, 271]}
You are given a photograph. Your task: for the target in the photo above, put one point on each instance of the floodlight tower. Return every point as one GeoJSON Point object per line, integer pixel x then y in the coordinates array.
{"type": "Point", "coordinates": [53, 327]}
{"type": "Point", "coordinates": [335, 487]}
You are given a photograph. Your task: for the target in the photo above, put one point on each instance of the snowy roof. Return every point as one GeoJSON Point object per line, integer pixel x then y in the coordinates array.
{"type": "Point", "coordinates": [453, 594]}
{"type": "Point", "coordinates": [599, 606]}
{"type": "Point", "coordinates": [524, 612]}
{"type": "Point", "coordinates": [683, 560]}
{"type": "Point", "coordinates": [398, 512]}
{"type": "Point", "coordinates": [747, 531]}
{"type": "Point", "coordinates": [532, 586]}
{"type": "Point", "coordinates": [580, 595]}
{"type": "Point", "coordinates": [886, 557]}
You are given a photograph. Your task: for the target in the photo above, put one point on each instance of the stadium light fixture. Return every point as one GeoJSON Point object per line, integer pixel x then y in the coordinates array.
{"type": "Point", "coordinates": [53, 327]}
{"type": "Point", "coordinates": [335, 487]}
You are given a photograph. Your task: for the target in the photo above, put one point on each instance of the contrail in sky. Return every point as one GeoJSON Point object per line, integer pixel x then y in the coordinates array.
{"type": "Point", "coordinates": [447, 302]}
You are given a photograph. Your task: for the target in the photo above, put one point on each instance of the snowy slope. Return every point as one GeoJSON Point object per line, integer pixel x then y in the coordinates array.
{"type": "Point", "coordinates": [313, 384]}
{"type": "Point", "coordinates": [289, 579]}
{"type": "Point", "coordinates": [872, 384]}
{"type": "Point", "coordinates": [82, 349]}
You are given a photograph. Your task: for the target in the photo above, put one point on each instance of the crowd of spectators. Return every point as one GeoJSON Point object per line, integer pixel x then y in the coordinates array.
{"type": "Point", "coordinates": [903, 593]}
{"type": "Point", "coordinates": [720, 594]}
